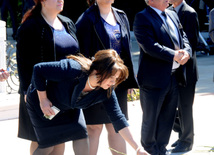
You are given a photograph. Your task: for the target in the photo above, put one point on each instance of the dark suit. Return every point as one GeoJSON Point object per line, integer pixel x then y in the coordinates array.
{"type": "Point", "coordinates": [158, 85]}
{"type": "Point", "coordinates": [184, 124]}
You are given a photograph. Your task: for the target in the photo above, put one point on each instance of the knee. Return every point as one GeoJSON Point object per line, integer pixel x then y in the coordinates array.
{"type": "Point", "coordinates": [94, 130]}
{"type": "Point", "coordinates": [110, 129]}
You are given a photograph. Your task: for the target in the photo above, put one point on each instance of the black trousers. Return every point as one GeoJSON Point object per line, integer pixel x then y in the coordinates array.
{"type": "Point", "coordinates": [184, 118]}
{"type": "Point", "coordinates": [159, 109]}
{"type": "Point", "coordinates": [10, 6]}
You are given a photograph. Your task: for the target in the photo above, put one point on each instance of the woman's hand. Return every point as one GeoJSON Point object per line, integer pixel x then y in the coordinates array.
{"type": "Point", "coordinates": [126, 134]}
{"type": "Point", "coordinates": [4, 75]}
{"type": "Point", "coordinates": [45, 103]}
{"type": "Point", "coordinates": [141, 151]}
{"type": "Point", "coordinates": [45, 106]}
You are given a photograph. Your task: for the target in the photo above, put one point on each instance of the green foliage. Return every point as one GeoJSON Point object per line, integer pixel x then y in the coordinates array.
{"type": "Point", "coordinates": [133, 94]}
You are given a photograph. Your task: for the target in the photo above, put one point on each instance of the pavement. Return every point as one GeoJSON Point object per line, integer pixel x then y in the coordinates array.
{"type": "Point", "coordinates": [203, 113]}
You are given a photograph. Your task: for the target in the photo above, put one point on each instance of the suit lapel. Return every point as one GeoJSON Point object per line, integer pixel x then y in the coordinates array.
{"type": "Point", "coordinates": [181, 11]}
{"type": "Point", "coordinates": [156, 16]}
{"type": "Point", "coordinates": [160, 21]}
{"type": "Point", "coordinates": [124, 30]}
{"type": "Point", "coordinates": [178, 26]}
{"type": "Point", "coordinates": [100, 30]}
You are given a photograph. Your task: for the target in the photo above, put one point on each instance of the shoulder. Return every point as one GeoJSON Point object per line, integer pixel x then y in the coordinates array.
{"type": "Point", "coordinates": [146, 16]}
{"type": "Point", "coordinates": [140, 14]}
{"type": "Point", "coordinates": [30, 26]}
{"type": "Point", "coordinates": [145, 13]}
{"type": "Point", "coordinates": [29, 23]}
{"type": "Point", "coordinates": [90, 15]}
{"type": "Point", "coordinates": [64, 18]}
{"type": "Point", "coordinates": [118, 11]}
{"type": "Point", "coordinates": [188, 10]}
{"type": "Point", "coordinates": [70, 64]}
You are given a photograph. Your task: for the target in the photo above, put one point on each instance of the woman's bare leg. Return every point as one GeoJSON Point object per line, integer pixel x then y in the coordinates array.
{"type": "Point", "coordinates": [33, 146]}
{"type": "Point", "coordinates": [115, 141]}
{"type": "Point", "coordinates": [58, 149]}
{"type": "Point", "coordinates": [43, 151]}
{"type": "Point", "coordinates": [81, 146]}
{"type": "Point", "coordinates": [94, 132]}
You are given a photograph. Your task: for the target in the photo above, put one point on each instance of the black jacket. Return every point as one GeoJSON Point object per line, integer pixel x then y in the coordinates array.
{"type": "Point", "coordinates": [157, 48]}
{"type": "Point", "coordinates": [35, 43]}
{"type": "Point", "coordinates": [189, 20]}
{"type": "Point", "coordinates": [93, 37]}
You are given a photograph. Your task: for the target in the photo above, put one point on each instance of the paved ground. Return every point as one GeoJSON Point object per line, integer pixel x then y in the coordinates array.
{"type": "Point", "coordinates": [203, 117]}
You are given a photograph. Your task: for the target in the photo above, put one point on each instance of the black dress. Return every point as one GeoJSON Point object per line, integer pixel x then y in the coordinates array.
{"type": "Point", "coordinates": [37, 42]}
{"type": "Point", "coordinates": [99, 35]}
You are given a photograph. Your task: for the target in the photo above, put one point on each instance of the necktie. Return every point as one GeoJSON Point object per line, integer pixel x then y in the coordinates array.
{"type": "Point", "coordinates": [174, 39]}
{"type": "Point", "coordinates": [173, 35]}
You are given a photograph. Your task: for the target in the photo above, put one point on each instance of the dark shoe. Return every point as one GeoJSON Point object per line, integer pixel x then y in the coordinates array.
{"type": "Point", "coordinates": [182, 147]}
{"type": "Point", "coordinates": [175, 144]}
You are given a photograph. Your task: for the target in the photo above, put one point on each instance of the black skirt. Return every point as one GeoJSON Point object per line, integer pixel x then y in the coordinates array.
{"type": "Point", "coordinates": [25, 128]}
{"type": "Point", "coordinates": [65, 126]}
{"type": "Point", "coordinates": [97, 114]}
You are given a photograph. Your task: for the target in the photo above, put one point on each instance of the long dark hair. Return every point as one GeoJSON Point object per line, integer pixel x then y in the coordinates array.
{"type": "Point", "coordinates": [36, 9]}
{"type": "Point", "coordinates": [106, 63]}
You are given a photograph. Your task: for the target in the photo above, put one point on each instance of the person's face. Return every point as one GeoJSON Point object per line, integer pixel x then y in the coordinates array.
{"type": "Point", "coordinates": [105, 2]}
{"type": "Point", "coordinates": [107, 83]}
{"type": "Point", "coordinates": [172, 1]}
{"type": "Point", "coordinates": [159, 4]}
{"type": "Point", "coordinates": [53, 6]}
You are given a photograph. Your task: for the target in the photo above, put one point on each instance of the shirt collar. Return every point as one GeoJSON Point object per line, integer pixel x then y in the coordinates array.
{"type": "Point", "coordinates": [157, 10]}
{"type": "Point", "coordinates": [179, 6]}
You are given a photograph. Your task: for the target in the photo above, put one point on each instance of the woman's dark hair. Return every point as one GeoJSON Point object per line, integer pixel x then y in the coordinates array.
{"type": "Point", "coordinates": [36, 9]}
{"type": "Point", "coordinates": [106, 63]}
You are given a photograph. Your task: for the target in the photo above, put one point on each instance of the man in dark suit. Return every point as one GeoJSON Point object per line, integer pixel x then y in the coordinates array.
{"type": "Point", "coordinates": [161, 70]}
{"type": "Point", "coordinates": [184, 120]}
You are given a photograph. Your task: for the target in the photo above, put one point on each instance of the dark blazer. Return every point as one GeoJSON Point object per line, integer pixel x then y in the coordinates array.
{"type": "Point", "coordinates": [189, 20]}
{"type": "Point", "coordinates": [35, 44]}
{"type": "Point", "coordinates": [157, 48]}
{"type": "Point", "coordinates": [65, 82]}
{"type": "Point", "coordinates": [92, 37]}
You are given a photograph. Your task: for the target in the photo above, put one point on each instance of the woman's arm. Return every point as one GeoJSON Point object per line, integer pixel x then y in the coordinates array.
{"type": "Point", "coordinates": [45, 103]}
{"type": "Point", "coordinates": [54, 71]}
{"type": "Point", "coordinates": [127, 136]}
{"type": "Point", "coordinates": [120, 123]}
{"type": "Point", "coordinates": [27, 56]}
